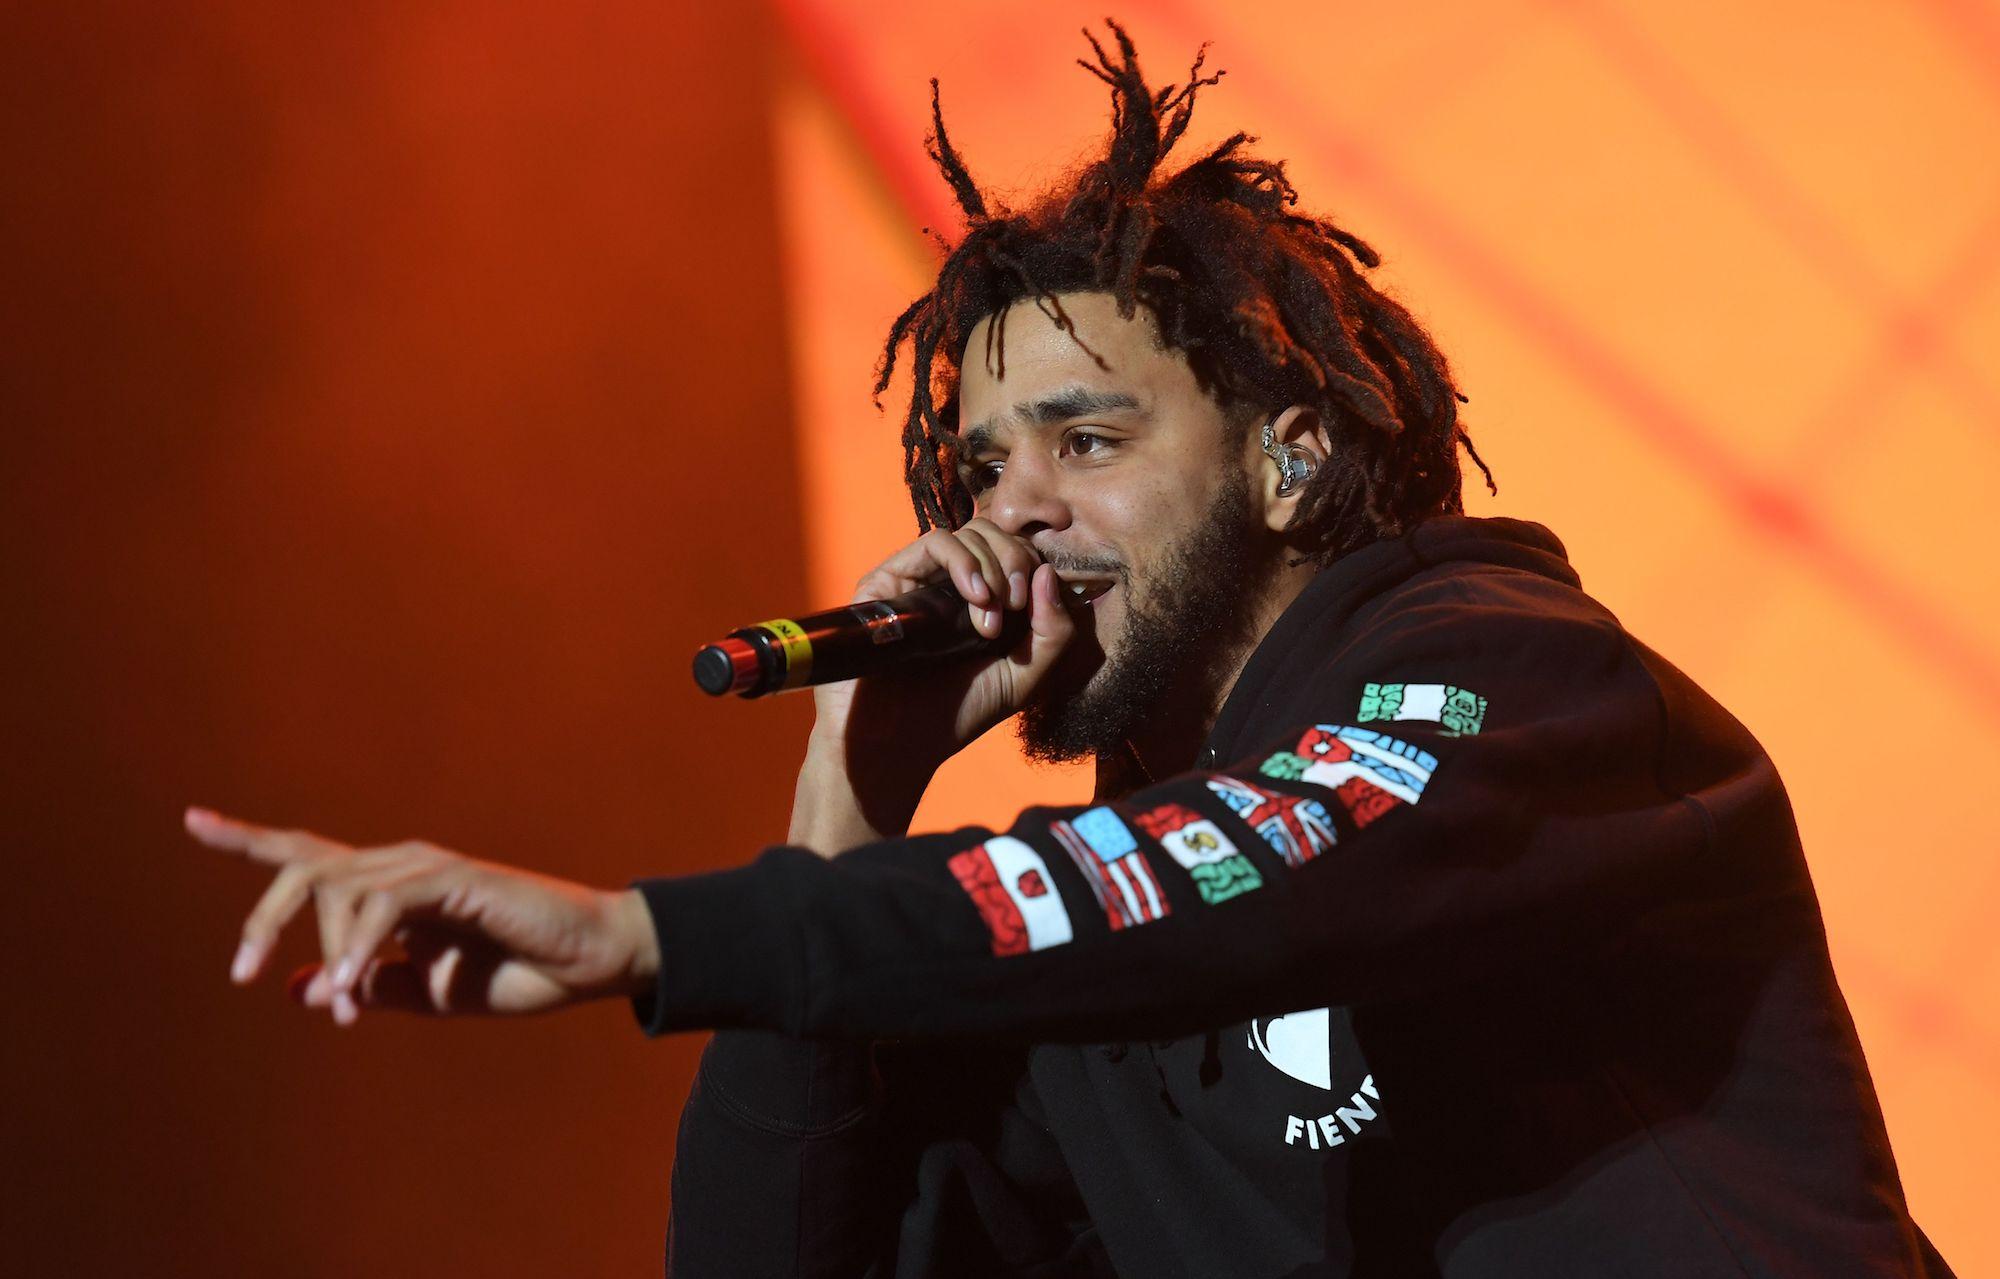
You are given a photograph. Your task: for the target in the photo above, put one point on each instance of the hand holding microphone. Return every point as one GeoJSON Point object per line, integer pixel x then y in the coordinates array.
{"type": "Point", "coordinates": [983, 604]}
{"type": "Point", "coordinates": [844, 643]}
{"type": "Point", "coordinates": [977, 594]}
{"type": "Point", "coordinates": [877, 742]}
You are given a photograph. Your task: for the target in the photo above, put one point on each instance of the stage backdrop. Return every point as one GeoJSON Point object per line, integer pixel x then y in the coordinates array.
{"type": "Point", "coordinates": [393, 398]}
{"type": "Point", "coordinates": [1723, 284]}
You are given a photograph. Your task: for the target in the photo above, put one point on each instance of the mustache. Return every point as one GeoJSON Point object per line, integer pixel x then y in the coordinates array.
{"type": "Point", "coordinates": [1103, 564]}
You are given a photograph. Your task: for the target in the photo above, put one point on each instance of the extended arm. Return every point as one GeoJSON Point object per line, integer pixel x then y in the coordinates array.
{"type": "Point", "coordinates": [1429, 810]}
{"type": "Point", "coordinates": [1357, 847]}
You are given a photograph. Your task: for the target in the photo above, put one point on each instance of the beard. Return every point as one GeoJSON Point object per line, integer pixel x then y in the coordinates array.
{"type": "Point", "coordinates": [1181, 626]}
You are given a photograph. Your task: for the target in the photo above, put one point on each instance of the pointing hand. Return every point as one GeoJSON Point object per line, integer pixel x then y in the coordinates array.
{"type": "Point", "coordinates": [474, 936]}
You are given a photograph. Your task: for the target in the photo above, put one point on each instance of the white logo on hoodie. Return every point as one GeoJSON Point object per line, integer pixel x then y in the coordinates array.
{"type": "Point", "coordinates": [1300, 1045]}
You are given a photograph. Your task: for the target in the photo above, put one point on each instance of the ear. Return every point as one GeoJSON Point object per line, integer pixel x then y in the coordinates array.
{"type": "Point", "coordinates": [1296, 428]}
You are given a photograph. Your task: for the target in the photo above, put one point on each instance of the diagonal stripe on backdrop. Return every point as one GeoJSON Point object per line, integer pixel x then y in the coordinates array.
{"type": "Point", "coordinates": [1915, 332]}
{"type": "Point", "coordinates": [1770, 510]}
{"type": "Point", "coordinates": [1975, 30]}
{"type": "Point", "coordinates": [1819, 241]}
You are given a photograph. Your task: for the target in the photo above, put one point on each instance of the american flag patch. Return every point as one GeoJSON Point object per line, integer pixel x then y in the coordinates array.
{"type": "Point", "coordinates": [1109, 857]}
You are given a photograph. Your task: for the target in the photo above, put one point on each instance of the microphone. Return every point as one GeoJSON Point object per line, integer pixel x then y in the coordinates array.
{"type": "Point", "coordinates": [927, 624]}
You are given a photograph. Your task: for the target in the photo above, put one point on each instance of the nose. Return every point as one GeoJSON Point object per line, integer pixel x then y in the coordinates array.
{"type": "Point", "coordinates": [1027, 498]}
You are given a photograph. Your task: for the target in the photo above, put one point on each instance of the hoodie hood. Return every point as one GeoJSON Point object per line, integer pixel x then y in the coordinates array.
{"type": "Point", "coordinates": [1306, 630]}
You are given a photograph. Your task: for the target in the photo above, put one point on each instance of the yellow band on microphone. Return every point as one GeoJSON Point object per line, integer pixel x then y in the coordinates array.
{"type": "Point", "coordinates": [796, 647]}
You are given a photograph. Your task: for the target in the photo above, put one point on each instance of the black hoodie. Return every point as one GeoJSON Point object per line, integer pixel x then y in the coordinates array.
{"type": "Point", "coordinates": [1480, 944]}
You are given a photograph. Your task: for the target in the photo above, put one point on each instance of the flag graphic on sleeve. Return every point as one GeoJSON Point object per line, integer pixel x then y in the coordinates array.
{"type": "Point", "coordinates": [1009, 883]}
{"type": "Point", "coordinates": [1334, 753]}
{"type": "Point", "coordinates": [1297, 829]}
{"type": "Point", "coordinates": [1460, 711]}
{"type": "Point", "coordinates": [1369, 773]}
{"type": "Point", "coordinates": [1219, 872]}
{"type": "Point", "coordinates": [1112, 864]}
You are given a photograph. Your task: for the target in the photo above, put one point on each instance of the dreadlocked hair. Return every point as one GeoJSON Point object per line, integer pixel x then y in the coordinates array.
{"type": "Point", "coordinates": [1269, 306]}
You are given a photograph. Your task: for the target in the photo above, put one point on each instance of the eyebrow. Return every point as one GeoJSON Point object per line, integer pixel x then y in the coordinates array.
{"type": "Point", "coordinates": [1057, 406]}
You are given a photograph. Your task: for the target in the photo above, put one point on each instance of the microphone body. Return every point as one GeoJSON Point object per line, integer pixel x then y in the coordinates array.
{"type": "Point", "coordinates": [926, 624]}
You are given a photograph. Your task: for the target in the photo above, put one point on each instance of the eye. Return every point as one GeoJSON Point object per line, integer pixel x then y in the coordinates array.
{"type": "Point", "coordinates": [980, 476]}
{"type": "Point", "coordinates": [1082, 443]}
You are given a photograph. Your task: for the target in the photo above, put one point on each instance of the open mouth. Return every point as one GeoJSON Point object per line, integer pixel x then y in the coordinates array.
{"type": "Point", "coordinates": [1085, 590]}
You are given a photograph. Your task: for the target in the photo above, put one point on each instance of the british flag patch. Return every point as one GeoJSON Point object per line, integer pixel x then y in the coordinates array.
{"type": "Point", "coordinates": [1297, 829]}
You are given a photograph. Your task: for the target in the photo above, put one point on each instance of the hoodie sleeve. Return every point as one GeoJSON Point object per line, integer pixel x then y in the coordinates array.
{"type": "Point", "coordinates": [1463, 785]}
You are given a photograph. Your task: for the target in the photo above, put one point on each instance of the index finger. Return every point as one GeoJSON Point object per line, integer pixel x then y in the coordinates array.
{"type": "Point", "coordinates": [937, 553]}
{"type": "Point", "coordinates": [1017, 557]}
{"type": "Point", "coordinates": [997, 536]}
{"type": "Point", "coordinates": [259, 843]}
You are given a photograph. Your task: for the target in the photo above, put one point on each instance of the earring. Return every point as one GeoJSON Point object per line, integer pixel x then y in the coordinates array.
{"type": "Point", "coordinates": [1295, 461]}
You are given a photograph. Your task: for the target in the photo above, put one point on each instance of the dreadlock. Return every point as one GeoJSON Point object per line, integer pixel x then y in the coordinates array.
{"type": "Point", "coordinates": [1269, 306]}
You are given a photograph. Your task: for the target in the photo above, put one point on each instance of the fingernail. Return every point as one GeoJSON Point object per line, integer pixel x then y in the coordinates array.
{"type": "Point", "coordinates": [244, 966]}
{"type": "Point", "coordinates": [198, 815]}
{"type": "Point", "coordinates": [1017, 589]}
{"type": "Point", "coordinates": [344, 1010]}
{"type": "Point", "coordinates": [986, 616]}
{"type": "Point", "coordinates": [978, 593]}
{"type": "Point", "coordinates": [343, 973]}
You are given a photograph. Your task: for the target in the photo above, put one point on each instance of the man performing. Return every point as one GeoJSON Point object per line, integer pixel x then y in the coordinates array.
{"type": "Point", "coordinates": [1424, 922]}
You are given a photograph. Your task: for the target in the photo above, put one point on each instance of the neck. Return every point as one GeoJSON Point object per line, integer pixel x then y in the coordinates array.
{"type": "Point", "coordinates": [1169, 742]}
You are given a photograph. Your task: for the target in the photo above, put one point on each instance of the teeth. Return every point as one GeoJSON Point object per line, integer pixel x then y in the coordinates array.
{"type": "Point", "coordinates": [1087, 589]}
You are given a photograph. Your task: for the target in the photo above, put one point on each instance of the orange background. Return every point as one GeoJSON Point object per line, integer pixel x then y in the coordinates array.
{"type": "Point", "coordinates": [393, 398]}
{"type": "Point", "coordinates": [1723, 285]}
